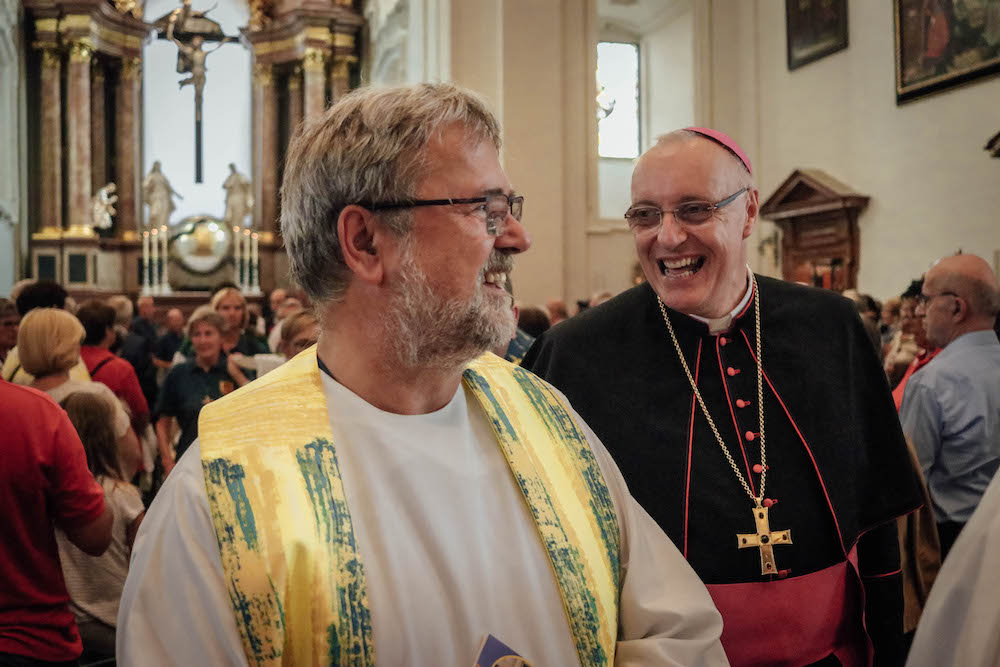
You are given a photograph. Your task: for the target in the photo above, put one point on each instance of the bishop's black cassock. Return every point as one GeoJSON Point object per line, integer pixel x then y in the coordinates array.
{"type": "Point", "coordinates": [837, 461]}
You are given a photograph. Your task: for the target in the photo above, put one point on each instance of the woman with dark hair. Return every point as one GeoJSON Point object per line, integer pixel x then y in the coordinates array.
{"type": "Point", "coordinates": [95, 583]}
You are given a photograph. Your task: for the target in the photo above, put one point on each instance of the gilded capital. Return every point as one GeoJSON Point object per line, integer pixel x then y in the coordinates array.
{"type": "Point", "coordinates": [314, 60]}
{"type": "Point", "coordinates": [51, 59]}
{"type": "Point", "coordinates": [131, 69]}
{"type": "Point", "coordinates": [81, 52]}
{"type": "Point", "coordinates": [343, 40]}
{"type": "Point", "coordinates": [263, 75]}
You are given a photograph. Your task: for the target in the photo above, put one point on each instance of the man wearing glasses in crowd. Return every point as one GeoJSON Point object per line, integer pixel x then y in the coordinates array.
{"type": "Point", "coordinates": [392, 495]}
{"type": "Point", "coordinates": [778, 481]}
{"type": "Point", "coordinates": [951, 408]}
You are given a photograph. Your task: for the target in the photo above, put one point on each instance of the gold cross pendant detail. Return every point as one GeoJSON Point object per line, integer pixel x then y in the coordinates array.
{"type": "Point", "coordinates": [765, 540]}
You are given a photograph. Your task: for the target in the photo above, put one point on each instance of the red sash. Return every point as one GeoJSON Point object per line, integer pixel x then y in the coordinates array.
{"type": "Point", "coordinates": [796, 621]}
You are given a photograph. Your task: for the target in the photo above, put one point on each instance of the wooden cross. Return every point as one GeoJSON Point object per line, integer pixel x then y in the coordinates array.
{"type": "Point", "coordinates": [765, 540]}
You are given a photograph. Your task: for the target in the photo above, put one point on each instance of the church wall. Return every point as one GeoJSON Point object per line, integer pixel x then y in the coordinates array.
{"type": "Point", "coordinates": [933, 187]}
{"type": "Point", "coordinates": [667, 56]}
{"type": "Point", "coordinates": [533, 157]}
{"type": "Point", "coordinates": [168, 123]}
{"type": "Point", "coordinates": [532, 62]}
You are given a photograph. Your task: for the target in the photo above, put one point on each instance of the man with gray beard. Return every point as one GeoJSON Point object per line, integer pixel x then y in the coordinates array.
{"type": "Point", "coordinates": [396, 490]}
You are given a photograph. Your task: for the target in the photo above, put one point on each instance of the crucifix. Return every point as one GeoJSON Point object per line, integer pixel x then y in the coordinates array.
{"type": "Point", "coordinates": [764, 540]}
{"type": "Point", "coordinates": [194, 29]}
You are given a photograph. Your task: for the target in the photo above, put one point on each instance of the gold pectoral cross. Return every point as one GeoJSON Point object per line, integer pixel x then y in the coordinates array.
{"type": "Point", "coordinates": [765, 540]}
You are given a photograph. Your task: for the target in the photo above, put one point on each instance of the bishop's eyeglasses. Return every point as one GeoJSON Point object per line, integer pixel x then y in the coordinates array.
{"type": "Point", "coordinates": [644, 218]}
{"type": "Point", "coordinates": [495, 208]}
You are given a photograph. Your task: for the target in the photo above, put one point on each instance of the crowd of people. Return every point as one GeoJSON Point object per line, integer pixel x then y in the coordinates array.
{"type": "Point", "coordinates": [398, 460]}
{"type": "Point", "coordinates": [132, 388]}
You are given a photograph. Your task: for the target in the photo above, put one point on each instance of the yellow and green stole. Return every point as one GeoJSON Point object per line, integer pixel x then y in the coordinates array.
{"type": "Point", "coordinates": [292, 566]}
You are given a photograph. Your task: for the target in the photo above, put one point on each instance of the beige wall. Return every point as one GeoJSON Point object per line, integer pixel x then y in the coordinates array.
{"type": "Point", "coordinates": [531, 60]}
{"type": "Point", "coordinates": [933, 188]}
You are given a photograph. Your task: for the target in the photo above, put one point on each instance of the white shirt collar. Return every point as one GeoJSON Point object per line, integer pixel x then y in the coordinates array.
{"type": "Point", "coordinates": [721, 324]}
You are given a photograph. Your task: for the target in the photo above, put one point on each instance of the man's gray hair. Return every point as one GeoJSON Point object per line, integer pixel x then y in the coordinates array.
{"type": "Point", "coordinates": [123, 309]}
{"type": "Point", "coordinates": [368, 147]}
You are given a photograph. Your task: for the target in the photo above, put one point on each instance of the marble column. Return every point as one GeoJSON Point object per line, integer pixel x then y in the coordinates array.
{"type": "Point", "coordinates": [295, 110]}
{"type": "Point", "coordinates": [340, 76]}
{"type": "Point", "coordinates": [98, 130]}
{"type": "Point", "coordinates": [314, 66]}
{"type": "Point", "coordinates": [265, 149]}
{"type": "Point", "coordinates": [127, 145]}
{"type": "Point", "coordinates": [269, 161]}
{"type": "Point", "coordinates": [78, 137]}
{"type": "Point", "coordinates": [50, 192]}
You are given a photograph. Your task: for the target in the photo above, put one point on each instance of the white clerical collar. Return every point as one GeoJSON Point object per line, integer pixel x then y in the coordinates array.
{"type": "Point", "coordinates": [723, 323]}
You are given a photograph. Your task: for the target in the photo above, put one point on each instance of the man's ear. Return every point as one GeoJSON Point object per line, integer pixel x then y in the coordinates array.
{"type": "Point", "coordinates": [357, 231]}
{"type": "Point", "coordinates": [753, 209]}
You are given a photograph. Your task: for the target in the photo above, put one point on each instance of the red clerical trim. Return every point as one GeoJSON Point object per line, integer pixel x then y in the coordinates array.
{"type": "Point", "coordinates": [795, 621]}
{"type": "Point", "coordinates": [687, 481]}
{"type": "Point", "coordinates": [882, 576]}
{"type": "Point", "coordinates": [753, 288]}
{"type": "Point", "coordinates": [736, 426]}
{"type": "Point", "coordinates": [819, 476]}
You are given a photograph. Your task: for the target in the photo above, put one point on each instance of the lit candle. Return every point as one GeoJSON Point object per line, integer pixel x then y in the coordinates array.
{"type": "Point", "coordinates": [166, 258]}
{"type": "Point", "coordinates": [145, 261]}
{"type": "Point", "coordinates": [255, 287]}
{"type": "Point", "coordinates": [238, 275]}
{"type": "Point", "coordinates": [155, 242]}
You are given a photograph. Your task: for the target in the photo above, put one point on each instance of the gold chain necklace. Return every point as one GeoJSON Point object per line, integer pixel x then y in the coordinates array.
{"type": "Point", "coordinates": [764, 539]}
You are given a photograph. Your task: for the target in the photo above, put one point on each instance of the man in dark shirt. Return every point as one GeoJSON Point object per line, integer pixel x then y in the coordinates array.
{"type": "Point", "coordinates": [168, 344]}
{"type": "Point", "coordinates": [143, 323]}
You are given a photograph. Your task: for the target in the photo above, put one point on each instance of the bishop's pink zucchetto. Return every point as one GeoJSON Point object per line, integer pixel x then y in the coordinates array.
{"type": "Point", "coordinates": [725, 141]}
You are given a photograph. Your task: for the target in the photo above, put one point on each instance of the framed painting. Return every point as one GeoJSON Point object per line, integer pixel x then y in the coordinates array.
{"type": "Point", "coordinates": [944, 43]}
{"type": "Point", "coordinates": [815, 29]}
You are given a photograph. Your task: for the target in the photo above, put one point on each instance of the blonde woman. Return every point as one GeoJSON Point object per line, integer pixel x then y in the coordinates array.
{"type": "Point", "coordinates": [49, 344]}
{"type": "Point", "coordinates": [236, 338]}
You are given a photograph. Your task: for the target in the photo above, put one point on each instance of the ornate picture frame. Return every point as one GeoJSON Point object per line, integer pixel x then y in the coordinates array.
{"type": "Point", "coordinates": [941, 44]}
{"type": "Point", "coordinates": [814, 29]}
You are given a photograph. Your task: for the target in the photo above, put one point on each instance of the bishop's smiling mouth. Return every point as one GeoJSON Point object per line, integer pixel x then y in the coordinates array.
{"type": "Point", "coordinates": [680, 268]}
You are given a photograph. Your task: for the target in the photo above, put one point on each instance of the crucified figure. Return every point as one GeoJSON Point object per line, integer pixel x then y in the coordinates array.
{"type": "Point", "coordinates": [192, 59]}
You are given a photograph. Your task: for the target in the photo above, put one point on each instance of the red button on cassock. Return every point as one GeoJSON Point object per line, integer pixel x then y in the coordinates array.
{"type": "Point", "coordinates": [768, 502]}
{"type": "Point", "coordinates": [750, 435]}
{"type": "Point", "coordinates": [722, 341]}
{"type": "Point", "coordinates": [757, 468]}
{"type": "Point", "coordinates": [740, 403]}
{"type": "Point", "coordinates": [732, 371]}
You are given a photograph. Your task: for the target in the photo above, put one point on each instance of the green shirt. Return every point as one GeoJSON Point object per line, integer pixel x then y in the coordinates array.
{"type": "Point", "coordinates": [186, 390]}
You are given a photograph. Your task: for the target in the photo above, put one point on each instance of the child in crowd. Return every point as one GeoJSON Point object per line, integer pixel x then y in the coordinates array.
{"type": "Point", "coordinates": [95, 583]}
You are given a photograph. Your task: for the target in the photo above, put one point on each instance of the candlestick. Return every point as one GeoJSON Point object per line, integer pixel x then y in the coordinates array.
{"type": "Point", "coordinates": [155, 258]}
{"type": "Point", "coordinates": [255, 286]}
{"type": "Point", "coordinates": [145, 262]}
{"type": "Point", "coordinates": [237, 274]}
{"type": "Point", "coordinates": [165, 284]}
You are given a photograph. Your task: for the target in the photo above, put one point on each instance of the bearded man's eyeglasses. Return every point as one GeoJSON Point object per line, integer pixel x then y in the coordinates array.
{"type": "Point", "coordinates": [494, 210]}
{"type": "Point", "coordinates": [643, 218]}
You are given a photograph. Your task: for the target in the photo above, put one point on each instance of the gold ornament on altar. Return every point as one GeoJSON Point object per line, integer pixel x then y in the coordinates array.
{"type": "Point", "coordinates": [129, 7]}
{"type": "Point", "coordinates": [260, 14]}
{"type": "Point", "coordinates": [102, 206]}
